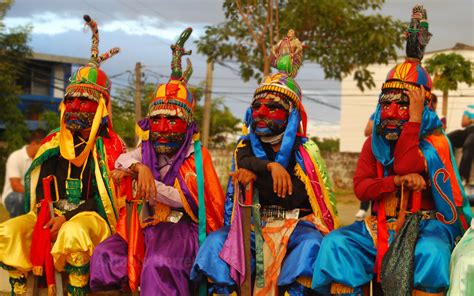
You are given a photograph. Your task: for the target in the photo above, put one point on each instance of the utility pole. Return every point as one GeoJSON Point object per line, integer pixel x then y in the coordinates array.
{"type": "Point", "coordinates": [138, 92]}
{"type": "Point", "coordinates": [207, 104]}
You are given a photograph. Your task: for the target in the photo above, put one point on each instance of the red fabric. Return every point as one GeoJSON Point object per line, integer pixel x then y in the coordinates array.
{"type": "Point", "coordinates": [131, 231]}
{"type": "Point", "coordinates": [114, 146]}
{"type": "Point", "coordinates": [367, 184]}
{"type": "Point", "coordinates": [40, 252]}
{"type": "Point", "coordinates": [407, 155]}
{"type": "Point", "coordinates": [382, 239]}
{"type": "Point", "coordinates": [213, 194]}
{"type": "Point", "coordinates": [370, 184]}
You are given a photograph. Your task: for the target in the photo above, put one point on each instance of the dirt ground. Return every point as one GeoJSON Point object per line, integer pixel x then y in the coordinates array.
{"type": "Point", "coordinates": [347, 207]}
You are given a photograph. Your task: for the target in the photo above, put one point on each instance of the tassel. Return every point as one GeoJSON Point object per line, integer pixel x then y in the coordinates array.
{"type": "Point", "coordinates": [51, 290]}
{"type": "Point", "coordinates": [305, 281]}
{"type": "Point", "coordinates": [391, 204]}
{"type": "Point", "coordinates": [337, 289]}
{"type": "Point", "coordinates": [37, 270]}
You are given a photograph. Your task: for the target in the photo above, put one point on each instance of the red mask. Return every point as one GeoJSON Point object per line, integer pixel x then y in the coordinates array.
{"type": "Point", "coordinates": [395, 111]}
{"type": "Point", "coordinates": [167, 133]}
{"type": "Point", "coordinates": [394, 114]}
{"type": "Point", "coordinates": [269, 117]}
{"type": "Point", "coordinates": [79, 113]}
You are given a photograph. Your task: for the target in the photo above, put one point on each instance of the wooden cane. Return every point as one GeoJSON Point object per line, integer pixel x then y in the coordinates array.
{"type": "Point", "coordinates": [246, 287]}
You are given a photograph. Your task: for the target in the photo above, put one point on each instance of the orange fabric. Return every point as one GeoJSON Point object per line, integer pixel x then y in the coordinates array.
{"type": "Point", "coordinates": [276, 235]}
{"type": "Point", "coordinates": [131, 231]}
{"type": "Point", "coordinates": [440, 143]}
{"type": "Point", "coordinates": [213, 194]}
{"type": "Point", "coordinates": [136, 250]}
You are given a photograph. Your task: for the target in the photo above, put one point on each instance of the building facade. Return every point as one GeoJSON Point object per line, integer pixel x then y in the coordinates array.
{"type": "Point", "coordinates": [357, 106]}
{"type": "Point", "coordinates": [44, 83]}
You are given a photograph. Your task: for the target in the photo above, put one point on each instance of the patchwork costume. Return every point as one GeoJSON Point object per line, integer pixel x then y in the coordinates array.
{"type": "Point", "coordinates": [462, 265]}
{"type": "Point", "coordinates": [72, 172]}
{"type": "Point", "coordinates": [285, 247]}
{"type": "Point", "coordinates": [189, 199]}
{"type": "Point", "coordinates": [407, 242]}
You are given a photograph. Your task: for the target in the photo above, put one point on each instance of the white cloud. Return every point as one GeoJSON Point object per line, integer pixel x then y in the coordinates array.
{"type": "Point", "coordinates": [49, 23]}
{"type": "Point", "coordinates": [323, 129]}
{"type": "Point", "coordinates": [46, 23]}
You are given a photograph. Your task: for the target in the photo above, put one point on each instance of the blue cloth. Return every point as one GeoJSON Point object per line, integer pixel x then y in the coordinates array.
{"type": "Point", "coordinates": [300, 258]}
{"type": "Point", "coordinates": [15, 204]}
{"type": "Point", "coordinates": [347, 256]}
{"type": "Point", "coordinates": [284, 154]}
{"type": "Point", "coordinates": [430, 122]}
{"type": "Point", "coordinates": [469, 111]}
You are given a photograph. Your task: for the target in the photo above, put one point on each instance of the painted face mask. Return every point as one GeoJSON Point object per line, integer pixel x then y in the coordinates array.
{"type": "Point", "coordinates": [79, 113]}
{"type": "Point", "coordinates": [167, 133]}
{"type": "Point", "coordinates": [394, 114]}
{"type": "Point", "coordinates": [269, 114]}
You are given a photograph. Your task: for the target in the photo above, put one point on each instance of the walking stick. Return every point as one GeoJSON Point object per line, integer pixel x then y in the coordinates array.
{"type": "Point", "coordinates": [246, 287]}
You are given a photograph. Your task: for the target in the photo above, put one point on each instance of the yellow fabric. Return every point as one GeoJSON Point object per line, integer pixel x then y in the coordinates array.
{"type": "Point", "coordinates": [141, 134]}
{"type": "Point", "coordinates": [75, 243]}
{"type": "Point", "coordinates": [77, 239]}
{"type": "Point", "coordinates": [66, 142]}
{"type": "Point", "coordinates": [78, 280]}
{"type": "Point", "coordinates": [15, 241]}
{"type": "Point", "coordinates": [299, 173]}
{"type": "Point", "coordinates": [325, 194]}
{"type": "Point", "coordinates": [103, 193]}
{"type": "Point", "coordinates": [18, 289]}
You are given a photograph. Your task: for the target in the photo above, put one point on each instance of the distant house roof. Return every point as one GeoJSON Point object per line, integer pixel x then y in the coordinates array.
{"type": "Point", "coordinates": [457, 46]}
{"type": "Point", "coordinates": [58, 58]}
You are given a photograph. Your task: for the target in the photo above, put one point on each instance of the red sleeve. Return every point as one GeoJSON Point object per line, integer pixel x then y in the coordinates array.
{"type": "Point", "coordinates": [367, 185]}
{"type": "Point", "coordinates": [114, 146]}
{"type": "Point", "coordinates": [408, 158]}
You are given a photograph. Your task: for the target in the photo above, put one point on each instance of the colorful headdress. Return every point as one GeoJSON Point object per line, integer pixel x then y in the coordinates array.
{"type": "Point", "coordinates": [410, 74]}
{"type": "Point", "coordinates": [90, 81]}
{"type": "Point", "coordinates": [287, 59]}
{"type": "Point", "coordinates": [174, 98]}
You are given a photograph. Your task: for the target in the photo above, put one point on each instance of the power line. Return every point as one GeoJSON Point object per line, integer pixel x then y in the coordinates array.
{"type": "Point", "coordinates": [322, 102]}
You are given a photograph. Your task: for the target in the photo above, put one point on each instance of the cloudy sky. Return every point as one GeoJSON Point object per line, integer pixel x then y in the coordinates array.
{"type": "Point", "coordinates": [144, 29]}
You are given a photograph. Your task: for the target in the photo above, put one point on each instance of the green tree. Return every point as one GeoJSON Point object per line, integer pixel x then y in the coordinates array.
{"type": "Point", "coordinates": [223, 122]}
{"type": "Point", "coordinates": [448, 70]}
{"type": "Point", "coordinates": [123, 114]}
{"type": "Point", "coordinates": [13, 53]}
{"type": "Point", "coordinates": [327, 145]}
{"type": "Point", "coordinates": [51, 120]}
{"type": "Point", "coordinates": [123, 110]}
{"type": "Point", "coordinates": [342, 36]}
